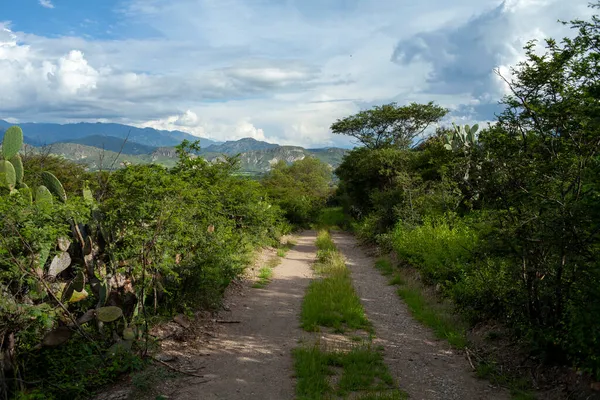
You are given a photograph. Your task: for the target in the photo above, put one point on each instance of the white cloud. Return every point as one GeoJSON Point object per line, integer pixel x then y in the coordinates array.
{"type": "Point", "coordinates": [46, 3]}
{"type": "Point", "coordinates": [278, 71]}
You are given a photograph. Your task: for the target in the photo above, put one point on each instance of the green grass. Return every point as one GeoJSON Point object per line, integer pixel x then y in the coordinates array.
{"type": "Point", "coordinates": [285, 247]}
{"type": "Point", "coordinates": [425, 308]}
{"type": "Point", "coordinates": [332, 218]}
{"type": "Point", "coordinates": [362, 370]}
{"type": "Point", "coordinates": [324, 241]}
{"type": "Point", "coordinates": [266, 273]}
{"type": "Point", "coordinates": [331, 301]}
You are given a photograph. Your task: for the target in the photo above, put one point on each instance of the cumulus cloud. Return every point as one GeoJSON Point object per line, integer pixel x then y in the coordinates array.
{"type": "Point", "coordinates": [46, 3]}
{"type": "Point", "coordinates": [463, 57]}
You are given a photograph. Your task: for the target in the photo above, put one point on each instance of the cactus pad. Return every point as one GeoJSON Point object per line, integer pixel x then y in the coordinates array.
{"type": "Point", "coordinates": [13, 140]}
{"type": "Point", "coordinates": [79, 281]}
{"type": "Point", "coordinates": [57, 337]}
{"type": "Point", "coordinates": [78, 296]}
{"type": "Point", "coordinates": [54, 185]}
{"type": "Point", "coordinates": [43, 195]}
{"type": "Point", "coordinates": [109, 314]}
{"type": "Point", "coordinates": [8, 177]}
{"type": "Point", "coordinates": [128, 334]}
{"type": "Point", "coordinates": [60, 262]}
{"type": "Point", "coordinates": [17, 163]}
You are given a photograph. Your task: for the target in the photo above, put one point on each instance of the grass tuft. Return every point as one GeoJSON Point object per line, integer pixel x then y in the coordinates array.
{"type": "Point", "coordinates": [425, 308]}
{"type": "Point", "coordinates": [362, 370]}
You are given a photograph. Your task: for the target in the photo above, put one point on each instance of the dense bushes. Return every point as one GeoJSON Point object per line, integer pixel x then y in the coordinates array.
{"type": "Point", "coordinates": [300, 189]}
{"type": "Point", "coordinates": [506, 221]}
{"type": "Point", "coordinates": [83, 271]}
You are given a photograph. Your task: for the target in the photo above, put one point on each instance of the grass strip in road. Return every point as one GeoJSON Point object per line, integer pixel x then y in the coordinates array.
{"type": "Point", "coordinates": [363, 374]}
{"type": "Point", "coordinates": [356, 371]}
{"type": "Point", "coordinates": [331, 300]}
{"type": "Point", "coordinates": [284, 248]}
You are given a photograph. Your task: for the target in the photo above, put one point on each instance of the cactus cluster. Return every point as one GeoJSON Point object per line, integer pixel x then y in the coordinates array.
{"type": "Point", "coordinates": [11, 180]}
{"type": "Point", "coordinates": [462, 137]}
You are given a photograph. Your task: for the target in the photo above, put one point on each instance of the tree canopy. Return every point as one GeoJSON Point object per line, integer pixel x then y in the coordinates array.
{"type": "Point", "coordinates": [389, 125]}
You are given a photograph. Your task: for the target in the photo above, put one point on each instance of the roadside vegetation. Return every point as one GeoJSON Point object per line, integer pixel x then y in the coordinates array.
{"type": "Point", "coordinates": [90, 261]}
{"type": "Point", "coordinates": [354, 368]}
{"type": "Point", "coordinates": [501, 222]}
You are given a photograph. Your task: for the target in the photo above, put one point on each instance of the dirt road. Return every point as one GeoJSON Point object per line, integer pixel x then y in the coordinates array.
{"type": "Point", "coordinates": [426, 368]}
{"type": "Point", "coordinates": [252, 359]}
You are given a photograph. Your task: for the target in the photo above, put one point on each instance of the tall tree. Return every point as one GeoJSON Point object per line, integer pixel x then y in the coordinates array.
{"type": "Point", "coordinates": [389, 125]}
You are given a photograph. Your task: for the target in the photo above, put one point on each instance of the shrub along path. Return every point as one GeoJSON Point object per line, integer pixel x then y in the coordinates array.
{"type": "Point", "coordinates": [425, 367]}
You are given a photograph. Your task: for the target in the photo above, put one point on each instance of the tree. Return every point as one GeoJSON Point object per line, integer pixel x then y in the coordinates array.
{"type": "Point", "coordinates": [389, 125]}
{"type": "Point", "coordinates": [301, 189]}
{"type": "Point", "coordinates": [541, 182]}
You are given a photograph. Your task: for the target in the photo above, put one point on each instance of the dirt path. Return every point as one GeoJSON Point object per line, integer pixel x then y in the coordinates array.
{"type": "Point", "coordinates": [424, 367]}
{"type": "Point", "coordinates": [252, 359]}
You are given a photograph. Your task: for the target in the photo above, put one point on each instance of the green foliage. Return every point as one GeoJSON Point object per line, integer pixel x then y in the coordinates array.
{"type": "Point", "coordinates": [84, 274]}
{"type": "Point", "coordinates": [390, 124]}
{"type": "Point", "coordinates": [300, 189]}
{"type": "Point", "coordinates": [507, 223]}
{"type": "Point", "coordinates": [441, 248]}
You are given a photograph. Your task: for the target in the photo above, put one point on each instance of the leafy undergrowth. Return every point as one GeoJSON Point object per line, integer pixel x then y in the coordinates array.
{"type": "Point", "coordinates": [333, 218]}
{"type": "Point", "coordinates": [331, 302]}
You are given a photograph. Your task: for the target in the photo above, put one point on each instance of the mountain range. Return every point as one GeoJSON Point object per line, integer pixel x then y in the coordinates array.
{"type": "Point", "coordinates": [109, 146]}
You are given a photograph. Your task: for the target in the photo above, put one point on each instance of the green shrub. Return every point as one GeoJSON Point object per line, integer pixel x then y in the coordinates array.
{"type": "Point", "coordinates": [440, 248]}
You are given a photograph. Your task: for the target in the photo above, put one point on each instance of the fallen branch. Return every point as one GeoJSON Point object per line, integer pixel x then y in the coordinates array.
{"type": "Point", "coordinates": [225, 321]}
{"type": "Point", "coordinates": [178, 370]}
{"type": "Point", "coordinates": [469, 358]}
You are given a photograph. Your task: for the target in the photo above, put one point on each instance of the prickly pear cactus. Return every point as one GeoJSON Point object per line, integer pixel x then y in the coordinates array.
{"type": "Point", "coordinates": [43, 195]}
{"type": "Point", "coordinates": [17, 164]}
{"type": "Point", "coordinates": [12, 142]}
{"type": "Point", "coordinates": [54, 185]}
{"type": "Point", "coordinates": [8, 177]}
{"type": "Point", "coordinates": [109, 314]}
{"type": "Point", "coordinates": [462, 138]}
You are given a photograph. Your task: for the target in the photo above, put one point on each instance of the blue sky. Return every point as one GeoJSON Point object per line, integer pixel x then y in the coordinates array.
{"type": "Point", "coordinates": [276, 70]}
